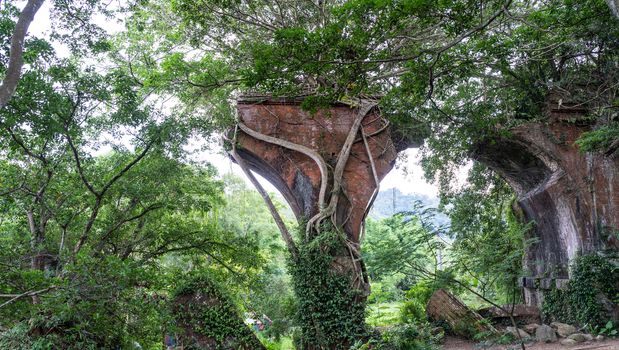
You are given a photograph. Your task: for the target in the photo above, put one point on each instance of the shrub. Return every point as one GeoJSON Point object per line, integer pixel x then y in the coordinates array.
{"type": "Point", "coordinates": [587, 301]}
{"type": "Point", "coordinates": [207, 317]}
{"type": "Point", "coordinates": [413, 311]}
{"type": "Point", "coordinates": [403, 337]}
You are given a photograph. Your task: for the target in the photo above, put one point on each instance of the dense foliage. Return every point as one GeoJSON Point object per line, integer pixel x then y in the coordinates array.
{"type": "Point", "coordinates": [590, 294]}
{"type": "Point", "coordinates": [206, 317]}
{"type": "Point", "coordinates": [101, 205]}
{"type": "Point", "coordinates": [472, 70]}
{"type": "Point", "coordinates": [335, 324]}
{"type": "Point", "coordinates": [106, 216]}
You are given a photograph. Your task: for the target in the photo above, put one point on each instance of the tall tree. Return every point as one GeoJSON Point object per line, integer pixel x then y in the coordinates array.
{"type": "Point", "coordinates": [102, 211]}
{"type": "Point", "coordinates": [12, 73]}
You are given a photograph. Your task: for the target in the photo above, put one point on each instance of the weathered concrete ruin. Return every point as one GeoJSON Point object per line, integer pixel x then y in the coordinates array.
{"type": "Point", "coordinates": [296, 175]}
{"type": "Point", "coordinates": [573, 198]}
{"type": "Point", "coordinates": [300, 174]}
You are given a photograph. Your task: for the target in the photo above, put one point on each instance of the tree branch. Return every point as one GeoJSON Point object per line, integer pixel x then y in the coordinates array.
{"type": "Point", "coordinates": [614, 7]}
{"type": "Point", "coordinates": [435, 50]}
{"type": "Point", "coordinates": [22, 145]}
{"type": "Point", "coordinates": [286, 236]}
{"type": "Point", "coordinates": [128, 166]}
{"type": "Point", "coordinates": [15, 297]}
{"type": "Point", "coordinates": [99, 196]}
{"type": "Point", "coordinates": [126, 220]}
{"type": "Point", "coordinates": [16, 59]}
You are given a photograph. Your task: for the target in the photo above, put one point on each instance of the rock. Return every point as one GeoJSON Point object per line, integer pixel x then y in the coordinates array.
{"type": "Point", "coordinates": [568, 342]}
{"type": "Point", "coordinates": [514, 332]}
{"type": "Point", "coordinates": [599, 338]}
{"type": "Point", "coordinates": [577, 337]}
{"type": "Point", "coordinates": [588, 337]}
{"type": "Point", "coordinates": [523, 314]}
{"type": "Point", "coordinates": [531, 328]}
{"type": "Point", "coordinates": [546, 334]}
{"type": "Point", "coordinates": [563, 330]}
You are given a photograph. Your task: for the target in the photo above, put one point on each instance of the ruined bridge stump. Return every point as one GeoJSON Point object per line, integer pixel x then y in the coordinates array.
{"type": "Point", "coordinates": [572, 197]}
{"type": "Point", "coordinates": [328, 166]}
{"type": "Point", "coordinates": [296, 175]}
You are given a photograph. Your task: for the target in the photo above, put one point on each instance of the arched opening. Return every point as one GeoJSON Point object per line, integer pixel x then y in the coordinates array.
{"type": "Point", "coordinates": [568, 195]}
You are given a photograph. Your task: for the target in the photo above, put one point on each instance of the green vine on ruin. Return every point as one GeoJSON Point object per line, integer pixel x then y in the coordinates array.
{"type": "Point", "coordinates": [338, 323]}
{"type": "Point", "coordinates": [206, 317]}
{"type": "Point", "coordinates": [591, 294]}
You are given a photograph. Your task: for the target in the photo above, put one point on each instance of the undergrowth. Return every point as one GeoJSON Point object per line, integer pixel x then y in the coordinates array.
{"type": "Point", "coordinates": [588, 299]}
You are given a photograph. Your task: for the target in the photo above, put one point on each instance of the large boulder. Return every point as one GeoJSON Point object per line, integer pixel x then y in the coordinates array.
{"type": "Point", "coordinates": [517, 332]}
{"type": "Point", "coordinates": [522, 314]}
{"type": "Point", "coordinates": [545, 334]}
{"type": "Point", "coordinates": [563, 330]}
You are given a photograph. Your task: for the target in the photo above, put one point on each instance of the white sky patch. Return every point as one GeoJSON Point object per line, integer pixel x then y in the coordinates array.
{"type": "Point", "coordinates": [406, 177]}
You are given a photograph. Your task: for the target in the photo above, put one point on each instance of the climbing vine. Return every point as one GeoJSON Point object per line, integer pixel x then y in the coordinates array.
{"type": "Point", "coordinates": [588, 297]}
{"type": "Point", "coordinates": [330, 314]}
{"type": "Point", "coordinates": [206, 317]}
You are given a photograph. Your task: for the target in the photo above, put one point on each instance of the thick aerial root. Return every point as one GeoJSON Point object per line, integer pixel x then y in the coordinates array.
{"type": "Point", "coordinates": [286, 236]}
{"type": "Point", "coordinates": [374, 133]}
{"type": "Point", "coordinates": [338, 172]}
{"type": "Point", "coordinates": [376, 181]}
{"type": "Point", "coordinates": [322, 165]}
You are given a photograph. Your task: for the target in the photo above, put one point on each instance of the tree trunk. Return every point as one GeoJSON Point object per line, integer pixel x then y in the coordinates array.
{"type": "Point", "coordinates": [16, 60]}
{"type": "Point", "coordinates": [614, 7]}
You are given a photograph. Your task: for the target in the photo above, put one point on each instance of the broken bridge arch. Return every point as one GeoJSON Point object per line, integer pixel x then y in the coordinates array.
{"type": "Point", "coordinates": [572, 197]}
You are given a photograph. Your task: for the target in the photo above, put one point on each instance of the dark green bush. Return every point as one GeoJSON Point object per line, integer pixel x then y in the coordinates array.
{"type": "Point", "coordinates": [417, 297]}
{"type": "Point", "coordinates": [204, 315]}
{"type": "Point", "coordinates": [413, 311]}
{"type": "Point", "coordinates": [588, 298]}
{"type": "Point", "coordinates": [403, 337]}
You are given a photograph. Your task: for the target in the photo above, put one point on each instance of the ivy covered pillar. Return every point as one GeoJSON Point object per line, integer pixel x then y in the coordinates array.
{"type": "Point", "coordinates": [328, 166]}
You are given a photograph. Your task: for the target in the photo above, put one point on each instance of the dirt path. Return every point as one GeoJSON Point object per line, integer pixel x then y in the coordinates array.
{"type": "Point", "coordinates": [452, 343]}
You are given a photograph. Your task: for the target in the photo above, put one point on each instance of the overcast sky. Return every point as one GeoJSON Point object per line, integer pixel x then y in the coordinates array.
{"type": "Point", "coordinates": [409, 181]}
